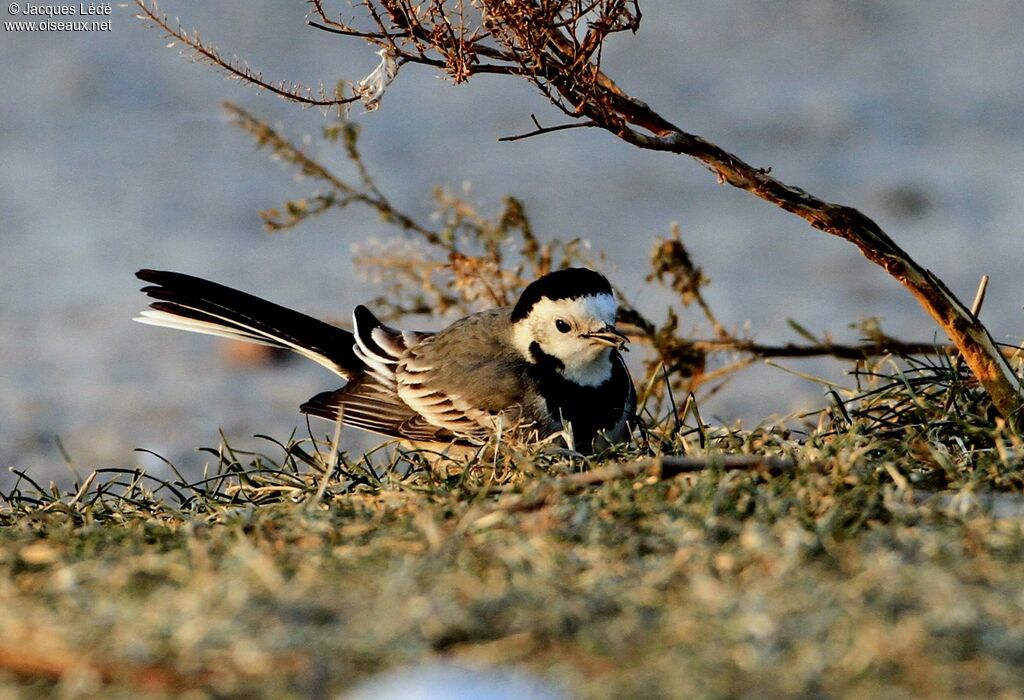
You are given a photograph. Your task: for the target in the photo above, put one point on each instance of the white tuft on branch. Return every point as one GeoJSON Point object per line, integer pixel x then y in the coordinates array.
{"type": "Point", "coordinates": [371, 88]}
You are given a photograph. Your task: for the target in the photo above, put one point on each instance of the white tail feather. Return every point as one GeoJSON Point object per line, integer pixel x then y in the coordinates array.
{"type": "Point", "coordinates": [152, 317]}
{"type": "Point", "coordinates": [245, 334]}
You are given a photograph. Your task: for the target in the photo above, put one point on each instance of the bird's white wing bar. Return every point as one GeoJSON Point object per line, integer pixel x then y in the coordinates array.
{"type": "Point", "coordinates": [380, 371]}
{"type": "Point", "coordinates": [391, 341]}
{"type": "Point", "coordinates": [379, 347]}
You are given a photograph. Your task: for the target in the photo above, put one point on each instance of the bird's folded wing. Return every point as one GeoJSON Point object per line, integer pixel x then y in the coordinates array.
{"type": "Point", "coordinates": [366, 403]}
{"type": "Point", "coordinates": [468, 378]}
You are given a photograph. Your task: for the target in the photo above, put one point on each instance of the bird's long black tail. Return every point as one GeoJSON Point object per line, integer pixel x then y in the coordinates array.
{"type": "Point", "coordinates": [194, 304]}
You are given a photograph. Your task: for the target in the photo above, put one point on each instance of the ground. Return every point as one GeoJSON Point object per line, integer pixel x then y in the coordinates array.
{"type": "Point", "coordinates": [851, 565]}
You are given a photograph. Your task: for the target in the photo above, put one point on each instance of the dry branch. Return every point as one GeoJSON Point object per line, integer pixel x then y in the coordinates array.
{"type": "Point", "coordinates": [841, 351]}
{"type": "Point", "coordinates": [968, 334]}
{"type": "Point", "coordinates": [657, 468]}
{"type": "Point", "coordinates": [667, 467]}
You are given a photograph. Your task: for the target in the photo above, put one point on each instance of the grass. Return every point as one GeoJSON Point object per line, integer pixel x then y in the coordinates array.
{"type": "Point", "coordinates": [880, 556]}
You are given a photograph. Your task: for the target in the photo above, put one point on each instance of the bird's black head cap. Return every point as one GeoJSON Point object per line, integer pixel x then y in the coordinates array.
{"type": "Point", "coordinates": [570, 283]}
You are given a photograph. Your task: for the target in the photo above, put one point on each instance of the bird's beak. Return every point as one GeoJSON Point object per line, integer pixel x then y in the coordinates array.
{"type": "Point", "coordinates": [609, 336]}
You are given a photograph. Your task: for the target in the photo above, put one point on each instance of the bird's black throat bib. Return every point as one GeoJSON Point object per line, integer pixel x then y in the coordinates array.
{"type": "Point", "coordinates": [588, 409]}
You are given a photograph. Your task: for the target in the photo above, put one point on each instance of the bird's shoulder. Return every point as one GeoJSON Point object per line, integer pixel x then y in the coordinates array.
{"type": "Point", "coordinates": [478, 346]}
{"type": "Point", "coordinates": [491, 329]}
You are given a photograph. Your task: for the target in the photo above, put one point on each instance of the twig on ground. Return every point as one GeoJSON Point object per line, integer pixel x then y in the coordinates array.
{"type": "Point", "coordinates": [657, 468]}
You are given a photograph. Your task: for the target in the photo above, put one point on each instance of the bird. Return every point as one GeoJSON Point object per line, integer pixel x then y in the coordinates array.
{"type": "Point", "coordinates": [550, 367]}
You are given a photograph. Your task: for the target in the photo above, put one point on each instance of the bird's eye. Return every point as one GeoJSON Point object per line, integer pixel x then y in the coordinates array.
{"type": "Point", "coordinates": [562, 326]}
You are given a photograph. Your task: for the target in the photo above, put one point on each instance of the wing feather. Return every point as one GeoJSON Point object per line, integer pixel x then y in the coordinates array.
{"type": "Point", "coordinates": [467, 377]}
{"type": "Point", "coordinates": [365, 403]}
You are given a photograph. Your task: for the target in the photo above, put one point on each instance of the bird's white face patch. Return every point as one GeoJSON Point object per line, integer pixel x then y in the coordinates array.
{"type": "Point", "coordinates": [557, 326]}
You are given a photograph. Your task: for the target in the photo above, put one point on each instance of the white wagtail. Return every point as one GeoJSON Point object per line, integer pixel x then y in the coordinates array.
{"type": "Point", "coordinates": [550, 362]}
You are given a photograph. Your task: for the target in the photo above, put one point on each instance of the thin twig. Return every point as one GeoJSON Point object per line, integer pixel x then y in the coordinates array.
{"type": "Point", "coordinates": [979, 296]}
{"type": "Point", "coordinates": [211, 55]}
{"type": "Point", "coordinates": [548, 129]}
{"type": "Point", "coordinates": [667, 467]}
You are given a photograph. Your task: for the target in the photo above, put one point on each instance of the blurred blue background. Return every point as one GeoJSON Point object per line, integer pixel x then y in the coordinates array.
{"type": "Point", "coordinates": [114, 156]}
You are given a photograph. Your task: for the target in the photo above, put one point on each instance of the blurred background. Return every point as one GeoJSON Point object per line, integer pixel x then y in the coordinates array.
{"type": "Point", "coordinates": [114, 155]}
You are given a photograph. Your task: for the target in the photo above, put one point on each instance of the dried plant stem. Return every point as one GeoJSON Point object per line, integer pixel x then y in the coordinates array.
{"type": "Point", "coordinates": [332, 457]}
{"type": "Point", "coordinates": [839, 351]}
{"type": "Point", "coordinates": [209, 54]}
{"type": "Point", "coordinates": [667, 467]}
